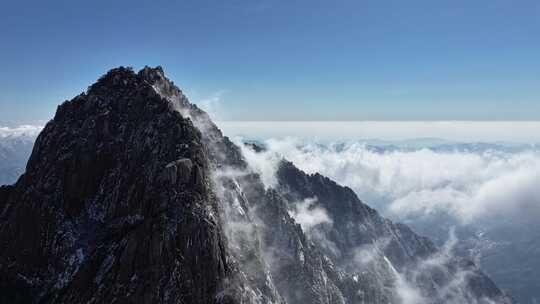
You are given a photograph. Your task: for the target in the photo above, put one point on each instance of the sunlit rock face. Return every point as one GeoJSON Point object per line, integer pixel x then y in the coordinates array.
{"type": "Point", "coordinates": [133, 195]}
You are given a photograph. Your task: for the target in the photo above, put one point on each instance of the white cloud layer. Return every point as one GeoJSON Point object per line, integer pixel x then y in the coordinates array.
{"type": "Point", "coordinates": [23, 130]}
{"type": "Point", "coordinates": [465, 184]}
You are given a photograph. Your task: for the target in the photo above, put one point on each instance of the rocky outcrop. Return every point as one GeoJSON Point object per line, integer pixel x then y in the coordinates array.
{"type": "Point", "coordinates": [133, 195]}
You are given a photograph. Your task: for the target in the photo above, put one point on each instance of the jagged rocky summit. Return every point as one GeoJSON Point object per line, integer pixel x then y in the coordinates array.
{"type": "Point", "coordinates": [133, 195]}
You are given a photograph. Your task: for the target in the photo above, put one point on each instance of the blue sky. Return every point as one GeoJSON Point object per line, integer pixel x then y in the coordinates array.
{"type": "Point", "coordinates": [284, 60]}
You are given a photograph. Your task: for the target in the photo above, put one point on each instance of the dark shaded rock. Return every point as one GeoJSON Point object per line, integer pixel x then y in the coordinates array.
{"type": "Point", "coordinates": [178, 171]}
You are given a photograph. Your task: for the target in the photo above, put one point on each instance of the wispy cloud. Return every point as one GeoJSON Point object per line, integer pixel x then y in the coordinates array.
{"type": "Point", "coordinates": [308, 215]}
{"type": "Point", "coordinates": [213, 104]}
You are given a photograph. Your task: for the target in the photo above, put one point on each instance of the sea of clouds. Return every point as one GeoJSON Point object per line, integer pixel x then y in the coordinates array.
{"type": "Point", "coordinates": [467, 184]}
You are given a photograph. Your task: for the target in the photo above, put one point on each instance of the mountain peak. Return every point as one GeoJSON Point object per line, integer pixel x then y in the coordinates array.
{"type": "Point", "coordinates": [116, 170]}
{"type": "Point", "coordinates": [150, 73]}
{"type": "Point", "coordinates": [121, 76]}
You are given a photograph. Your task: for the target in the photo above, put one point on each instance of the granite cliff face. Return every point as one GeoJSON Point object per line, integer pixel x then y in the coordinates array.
{"type": "Point", "coordinates": [133, 195]}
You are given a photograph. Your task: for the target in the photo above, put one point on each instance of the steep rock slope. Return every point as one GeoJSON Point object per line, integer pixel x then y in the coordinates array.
{"type": "Point", "coordinates": [133, 195]}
